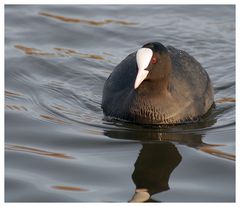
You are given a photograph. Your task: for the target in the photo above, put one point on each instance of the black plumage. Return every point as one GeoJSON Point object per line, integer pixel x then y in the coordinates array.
{"type": "Point", "coordinates": [176, 90]}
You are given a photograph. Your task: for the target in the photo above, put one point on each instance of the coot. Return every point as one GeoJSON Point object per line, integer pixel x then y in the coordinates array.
{"type": "Point", "coordinates": [158, 85]}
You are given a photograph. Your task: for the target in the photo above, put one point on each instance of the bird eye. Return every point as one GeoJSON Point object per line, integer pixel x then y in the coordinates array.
{"type": "Point", "coordinates": [154, 60]}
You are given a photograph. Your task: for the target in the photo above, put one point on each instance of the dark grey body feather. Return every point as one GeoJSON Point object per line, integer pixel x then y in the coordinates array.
{"type": "Point", "coordinates": [189, 94]}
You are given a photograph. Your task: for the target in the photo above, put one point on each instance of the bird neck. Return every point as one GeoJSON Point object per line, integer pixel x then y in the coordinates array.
{"type": "Point", "coordinates": [151, 88]}
{"type": "Point", "coordinates": [158, 84]}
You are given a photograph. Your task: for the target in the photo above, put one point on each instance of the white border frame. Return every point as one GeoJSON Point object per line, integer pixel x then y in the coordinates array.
{"type": "Point", "coordinates": [2, 83]}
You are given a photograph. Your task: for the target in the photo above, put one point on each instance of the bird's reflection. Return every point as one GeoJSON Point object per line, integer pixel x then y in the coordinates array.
{"type": "Point", "coordinates": [159, 156]}
{"type": "Point", "coordinates": [153, 168]}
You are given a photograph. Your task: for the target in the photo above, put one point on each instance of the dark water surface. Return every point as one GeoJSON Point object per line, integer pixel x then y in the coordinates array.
{"type": "Point", "coordinates": [57, 145]}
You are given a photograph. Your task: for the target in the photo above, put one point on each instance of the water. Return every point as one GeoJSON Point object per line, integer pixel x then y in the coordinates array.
{"type": "Point", "coordinates": [57, 145]}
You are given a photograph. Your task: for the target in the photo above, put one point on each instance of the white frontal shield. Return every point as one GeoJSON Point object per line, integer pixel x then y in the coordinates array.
{"type": "Point", "coordinates": [143, 57]}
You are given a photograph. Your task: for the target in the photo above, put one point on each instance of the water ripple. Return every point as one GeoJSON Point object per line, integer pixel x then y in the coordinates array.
{"type": "Point", "coordinates": [89, 22]}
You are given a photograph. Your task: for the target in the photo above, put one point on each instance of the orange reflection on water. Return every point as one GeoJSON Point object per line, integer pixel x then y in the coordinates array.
{"type": "Point", "coordinates": [52, 118]}
{"type": "Point", "coordinates": [66, 51]}
{"type": "Point", "coordinates": [84, 21]}
{"type": "Point", "coordinates": [210, 150]}
{"type": "Point", "coordinates": [12, 94]}
{"type": "Point", "coordinates": [33, 51]}
{"type": "Point", "coordinates": [73, 52]}
{"type": "Point", "coordinates": [224, 100]}
{"type": "Point", "coordinates": [92, 56]}
{"type": "Point", "coordinates": [37, 151]}
{"type": "Point", "coordinates": [15, 107]}
{"type": "Point", "coordinates": [58, 52]}
{"type": "Point", "coordinates": [68, 188]}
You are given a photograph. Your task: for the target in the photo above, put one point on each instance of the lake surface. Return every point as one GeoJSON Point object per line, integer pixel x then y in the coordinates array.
{"type": "Point", "coordinates": [59, 148]}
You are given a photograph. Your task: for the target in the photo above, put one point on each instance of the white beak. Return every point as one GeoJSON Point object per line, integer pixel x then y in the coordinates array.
{"type": "Point", "coordinates": [143, 56]}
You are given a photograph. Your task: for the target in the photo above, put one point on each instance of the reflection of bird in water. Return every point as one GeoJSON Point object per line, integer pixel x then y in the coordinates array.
{"type": "Point", "coordinates": [153, 168]}
{"type": "Point", "coordinates": [159, 156]}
